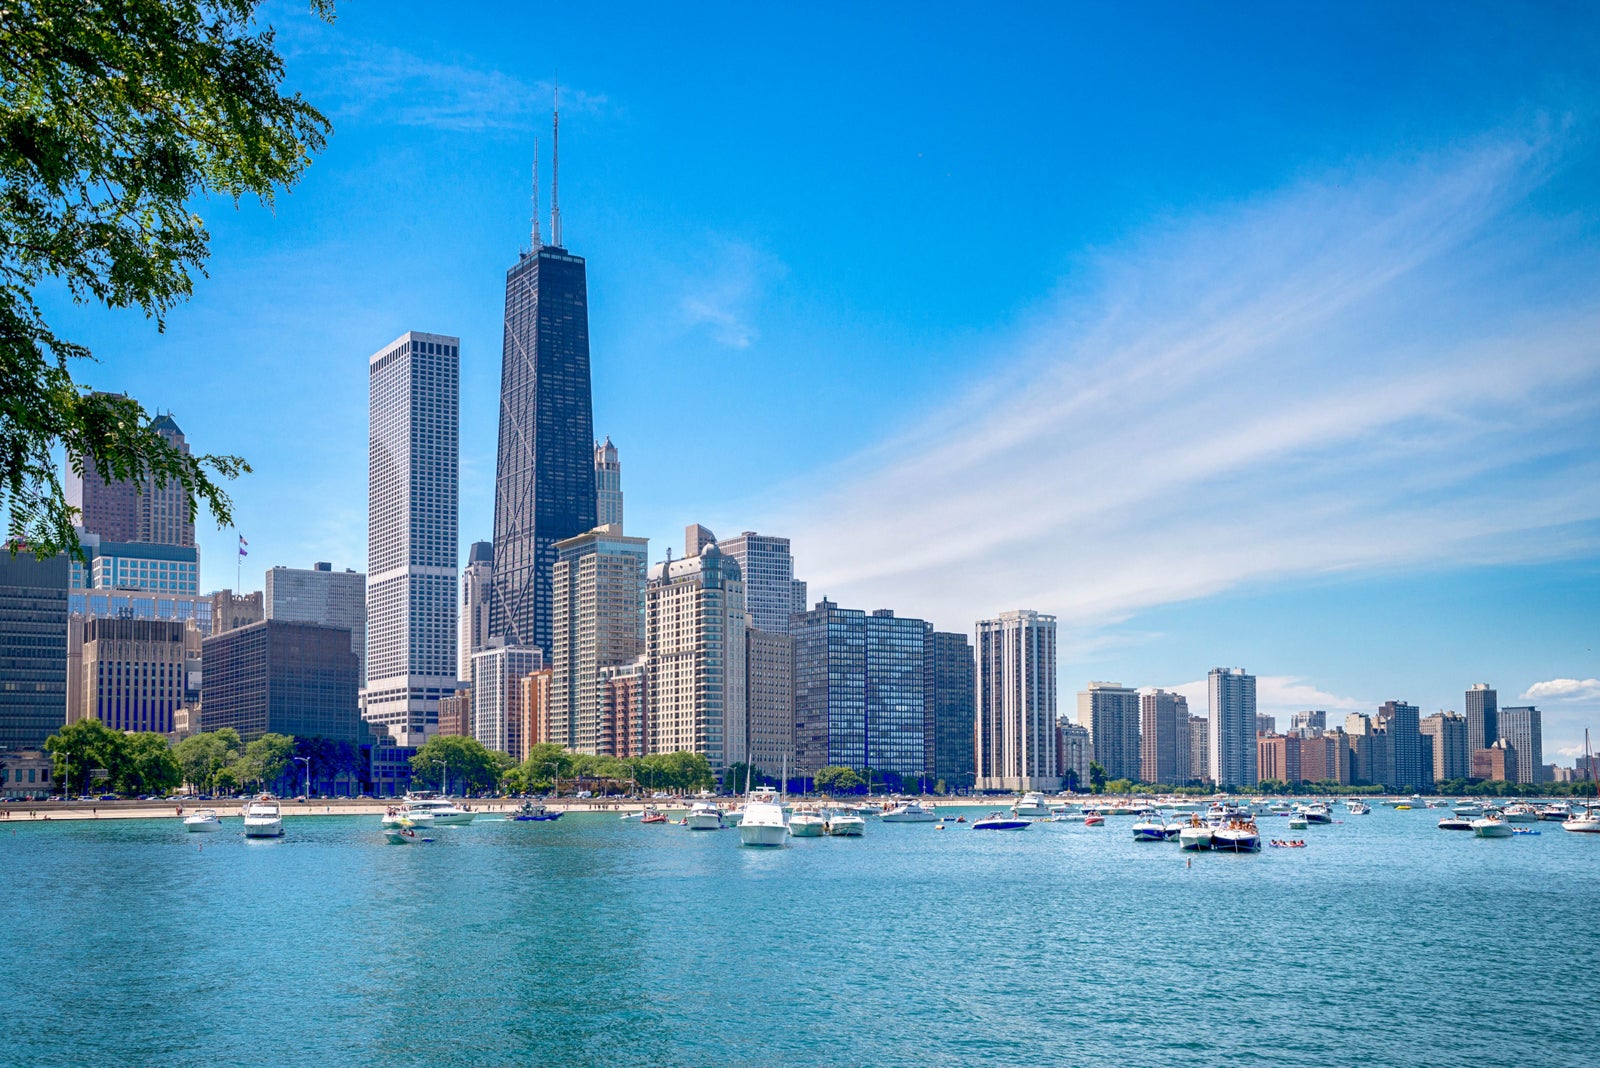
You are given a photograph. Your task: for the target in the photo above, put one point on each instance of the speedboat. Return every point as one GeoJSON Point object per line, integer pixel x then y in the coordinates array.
{"type": "Point", "coordinates": [1455, 823]}
{"type": "Point", "coordinates": [263, 818]}
{"type": "Point", "coordinates": [653, 815]}
{"type": "Point", "coordinates": [1298, 822]}
{"type": "Point", "coordinates": [1237, 836]}
{"type": "Point", "coordinates": [1556, 811]}
{"type": "Point", "coordinates": [1521, 812]}
{"type": "Point", "coordinates": [203, 820]}
{"type": "Point", "coordinates": [1152, 828]}
{"type": "Point", "coordinates": [704, 816]}
{"type": "Point", "coordinates": [1092, 818]}
{"type": "Point", "coordinates": [1032, 804]}
{"type": "Point", "coordinates": [1316, 814]}
{"type": "Point", "coordinates": [843, 823]}
{"type": "Point", "coordinates": [806, 823]}
{"type": "Point", "coordinates": [1491, 827]}
{"type": "Point", "coordinates": [911, 812]}
{"type": "Point", "coordinates": [999, 821]}
{"type": "Point", "coordinates": [1470, 809]}
{"type": "Point", "coordinates": [403, 832]}
{"type": "Point", "coordinates": [535, 812]}
{"type": "Point", "coordinates": [400, 817]}
{"type": "Point", "coordinates": [763, 823]}
{"type": "Point", "coordinates": [1357, 808]}
{"type": "Point", "coordinates": [440, 808]}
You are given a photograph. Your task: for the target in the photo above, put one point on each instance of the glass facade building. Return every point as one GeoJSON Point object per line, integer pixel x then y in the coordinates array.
{"type": "Point", "coordinates": [954, 712]}
{"type": "Point", "coordinates": [282, 677]}
{"type": "Point", "coordinates": [33, 648]}
{"type": "Point", "coordinates": [545, 467]}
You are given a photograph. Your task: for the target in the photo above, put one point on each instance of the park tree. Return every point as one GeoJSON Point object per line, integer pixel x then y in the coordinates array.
{"type": "Point", "coordinates": [736, 776]}
{"type": "Point", "coordinates": [118, 121]}
{"type": "Point", "coordinates": [838, 780]}
{"type": "Point", "coordinates": [454, 762]}
{"type": "Point", "coordinates": [265, 760]}
{"type": "Point", "coordinates": [1097, 777]}
{"type": "Point", "coordinates": [85, 745]}
{"type": "Point", "coordinates": [148, 766]}
{"type": "Point", "coordinates": [202, 757]}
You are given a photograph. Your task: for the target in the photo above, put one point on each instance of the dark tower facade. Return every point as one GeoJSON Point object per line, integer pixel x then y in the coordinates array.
{"type": "Point", "coordinates": [544, 477]}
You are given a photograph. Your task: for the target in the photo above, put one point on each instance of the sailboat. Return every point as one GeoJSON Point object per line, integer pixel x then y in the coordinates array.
{"type": "Point", "coordinates": [1588, 823]}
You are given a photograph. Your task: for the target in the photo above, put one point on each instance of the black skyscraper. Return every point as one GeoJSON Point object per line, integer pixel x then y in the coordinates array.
{"type": "Point", "coordinates": [544, 478]}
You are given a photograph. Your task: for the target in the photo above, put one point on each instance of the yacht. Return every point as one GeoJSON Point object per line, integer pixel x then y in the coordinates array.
{"type": "Point", "coordinates": [263, 818]}
{"type": "Point", "coordinates": [1032, 804]}
{"type": "Point", "coordinates": [806, 823]}
{"type": "Point", "coordinates": [1237, 836]}
{"type": "Point", "coordinates": [1556, 811]}
{"type": "Point", "coordinates": [763, 823]}
{"type": "Point", "coordinates": [1455, 823]}
{"type": "Point", "coordinates": [843, 823]}
{"type": "Point", "coordinates": [704, 816]}
{"type": "Point", "coordinates": [1317, 814]}
{"type": "Point", "coordinates": [1588, 823]}
{"type": "Point", "coordinates": [911, 812]}
{"type": "Point", "coordinates": [1491, 827]}
{"type": "Point", "coordinates": [204, 819]}
{"type": "Point", "coordinates": [1470, 809]}
{"type": "Point", "coordinates": [999, 821]}
{"type": "Point", "coordinates": [1521, 812]}
{"type": "Point", "coordinates": [440, 808]}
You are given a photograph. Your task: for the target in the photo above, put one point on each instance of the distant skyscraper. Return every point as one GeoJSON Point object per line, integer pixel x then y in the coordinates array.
{"type": "Point", "coordinates": [1233, 727]}
{"type": "Point", "coordinates": [797, 597]}
{"type": "Point", "coordinates": [1111, 712]}
{"type": "Point", "coordinates": [597, 596]}
{"type": "Point", "coordinates": [1401, 722]}
{"type": "Point", "coordinates": [1278, 758]}
{"type": "Point", "coordinates": [953, 713]}
{"type": "Point", "coordinates": [768, 572]}
{"type": "Point", "coordinates": [33, 648]}
{"type": "Point", "coordinates": [1016, 697]}
{"type": "Point", "coordinates": [1483, 717]}
{"type": "Point", "coordinates": [1077, 753]}
{"type": "Point", "coordinates": [1199, 749]}
{"type": "Point", "coordinates": [897, 695]}
{"type": "Point", "coordinates": [497, 673]}
{"type": "Point", "coordinates": [1310, 721]}
{"type": "Point", "coordinates": [134, 512]}
{"type": "Point", "coordinates": [322, 595]}
{"type": "Point", "coordinates": [109, 565]}
{"type": "Point", "coordinates": [282, 677]}
{"type": "Point", "coordinates": [545, 471]}
{"type": "Point", "coordinates": [694, 634]}
{"type": "Point", "coordinates": [622, 708]}
{"type": "Point", "coordinates": [1163, 737]}
{"type": "Point", "coordinates": [412, 503]}
{"type": "Point", "coordinates": [1522, 727]}
{"type": "Point", "coordinates": [1447, 733]}
{"type": "Point", "coordinates": [607, 485]}
{"type": "Point", "coordinates": [830, 688]}
{"type": "Point", "coordinates": [477, 589]}
{"type": "Point", "coordinates": [769, 689]}
{"type": "Point", "coordinates": [133, 673]}
{"type": "Point", "coordinates": [1266, 724]}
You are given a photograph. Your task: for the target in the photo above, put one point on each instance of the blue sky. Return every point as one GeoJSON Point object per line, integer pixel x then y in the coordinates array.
{"type": "Point", "coordinates": [1243, 336]}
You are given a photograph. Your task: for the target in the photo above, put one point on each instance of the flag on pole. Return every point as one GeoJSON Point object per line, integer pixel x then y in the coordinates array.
{"type": "Point", "coordinates": [242, 543]}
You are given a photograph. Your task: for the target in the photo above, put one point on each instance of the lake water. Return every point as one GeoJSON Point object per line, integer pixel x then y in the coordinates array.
{"type": "Point", "coordinates": [594, 941]}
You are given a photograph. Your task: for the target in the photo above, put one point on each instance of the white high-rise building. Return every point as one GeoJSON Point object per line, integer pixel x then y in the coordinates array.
{"type": "Point", "coordinates": [1232, 722]}
{"type": "Point", "coordinates": [497, 674]}
{"type": "Point", "coordinates": [477, 586]}
{"type": "Point", "coordinates": [607, 485]}
{"type": "Point", "coordinates": [1016, 733]}
{"type": "Point", "coordinates": [412, 503]}
{"type": "Point", "coordinates": [322, 595]}
{"type": "Point", "coordinates": [695, 647]}
{"type": "Point", "coordinates": [596, 621]}
{"type": "Point", "coordinates": [768, 572]}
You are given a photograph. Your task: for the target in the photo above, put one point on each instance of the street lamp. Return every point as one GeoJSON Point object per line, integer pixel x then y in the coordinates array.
{"type": "Point", "coordinates": [307, 762]}
{"type": "Point", "coordinates": [554, 786]}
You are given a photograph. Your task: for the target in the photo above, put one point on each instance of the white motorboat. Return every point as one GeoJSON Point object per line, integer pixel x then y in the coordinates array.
{"type": "Point", "coordinates": [1491, 827]}
{"type": "Point", "coordinates": [1556, 811]}
{"type": "Point", "coordinates": [399, 817]}
{"type": "Point", "coordinates": [911, 812]}
{"type": "Point", "coordinates": [1357, 808]}
{"type": "Point", "coordinates": [1237, 836]}
{"type": "Point", "coordinates": [440, 808]}
{"type": "Point", "coordinates": [1298, 822]}
{"type": "Point", "coordinates": [1316, 814]}
{"type": "Point", "coordinates": [203, 820]}
{"type": "Point", "coordinates": [402, 833]}
{"type": "Point", "coordinates": [263, 818]}
{"type": "Point", "coordinates": [805, 823]}
{"type": "Point", "coordinates": [843, 823]}
{"type": "Point", "coordinates": [1470, 809]}
{"type": "Point", "coordinates": [1521, 812]}
{"type": "Point", "coordinates": [763, 822]}
{"type": "Point", "coordinates": [704, 816]}
{"type": "Point", "coordinates": [1455, 823]}
{"type": "Point", "coordinates": [1151, 827]}
{"type": "Point", "coordinates": [998, 821]}
{"type": "Point", "coordinates": [1032, 804]}
{"type": "Point", "coordinates": [1588, 823]}
{"type": "Point", "coordinates": [1195, 835]}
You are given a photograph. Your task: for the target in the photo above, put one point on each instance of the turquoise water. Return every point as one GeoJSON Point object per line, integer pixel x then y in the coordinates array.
{"type": "Point", "coordinates": [593, 941]}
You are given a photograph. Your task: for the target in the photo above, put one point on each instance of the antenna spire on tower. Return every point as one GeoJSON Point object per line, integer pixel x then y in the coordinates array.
{"type": "Point", "coordinates": [555, 165]}
{"type": "Point", "coordinates": [538, 242]}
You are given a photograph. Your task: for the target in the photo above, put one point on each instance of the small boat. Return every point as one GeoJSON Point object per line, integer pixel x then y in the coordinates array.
{"type": "Point", "coordinates": [911, 812]}
{"type": "Point", "coordinates": [1521, 812]}
{"type": "Point", "coordinates": [763, 823]}
{"type": "Point", "coordinates": [263, 818]}
{"type": "Point", "coordinates": [403, 817]}
{"type": "Point", "coordinates": [999, 821]}
{"type": "Point", "coordinates": [653, 815]}
{"type": "Point", "coordinates": [1195, 834]}
{"type": "Point", "coordinates": [1298, 823]}
{"type": "Point", "coordinates": [403, 833]}
{"type": "Point", "coordinates": [1470, 809]}
{"type": "Point", "coordinates": [203, 820]}
{"type": "Point", "coordinates": [1556, 812]}
{"type": "Point", "coordinates": [535, 812]}
{"type": "Point", "coordinates": [844, 823]}
{"type": "Point", "coordinates": [1150, 827]}
{"type": "Point", "coordinates": [1237, 836]}
{"type": "Point", "coordinates": [1316, 814]}
{"type": "Point", "coordinates": [1357, 808]}
{"type": "Point", "coordinates": [704, 816]}
{"type": "Point", "coordinates": [1588, 823]}
{"type": "Point", "coordinates": [1093, 819]}
{"type": "Point", "coordinates": [806, 823]}
{"type": "Point", "coordinates": [1297, 843]}
{"type": "Point", "coordinates": [1491, 827]}
{"type": "Point", "coordinates": [1455, 823]}
{"type": "Point", "coordinates": [440, 808]}
{"type": "Point", "coordinates": [1032, 804]}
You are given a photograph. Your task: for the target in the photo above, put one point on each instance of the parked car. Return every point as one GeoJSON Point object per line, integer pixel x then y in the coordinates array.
{"type": "Point", "coordinates": [107, 797]}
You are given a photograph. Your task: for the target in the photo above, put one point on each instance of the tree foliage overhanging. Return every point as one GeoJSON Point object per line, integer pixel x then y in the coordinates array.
{"type": "Point", "coordinates": [115, 120]}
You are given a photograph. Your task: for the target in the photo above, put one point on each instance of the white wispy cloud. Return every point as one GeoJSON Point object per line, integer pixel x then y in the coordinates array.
{"type": "Point", "coordinates": [1563, 690]}
{"type": "Point", "coordinates": [1371, 371]}
{"type": "Point", "coordinates": [721, 293]}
